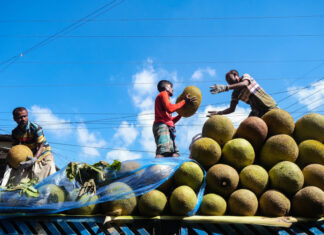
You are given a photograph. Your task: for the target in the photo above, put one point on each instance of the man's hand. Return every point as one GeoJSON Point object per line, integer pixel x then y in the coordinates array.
{"type": "Point", "coordinates": [218, 88]}
{"type": "Point", "coordinates": [28, 163]}
{"type": "Point", "coordinates": [212, 113]}
{"type": "Point", "coordinates": [190, 100]}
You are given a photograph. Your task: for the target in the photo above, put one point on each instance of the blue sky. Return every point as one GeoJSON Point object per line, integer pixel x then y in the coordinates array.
{"type": "Point", "coordinates": [95, 86]}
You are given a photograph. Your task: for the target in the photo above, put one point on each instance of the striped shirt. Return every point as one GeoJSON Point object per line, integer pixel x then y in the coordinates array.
{"type": "Point", "coordinates": [31, 137]}
{"type": "Point", "coordinates": [254, 95]}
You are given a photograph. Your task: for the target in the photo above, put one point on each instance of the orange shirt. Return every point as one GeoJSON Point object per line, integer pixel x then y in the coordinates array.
{"type": "Point", "coordinates": [164, 108]}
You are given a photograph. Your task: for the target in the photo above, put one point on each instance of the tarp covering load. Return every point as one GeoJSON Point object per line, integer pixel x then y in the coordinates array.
{"type": "Point", "coordinates": [79, 188]}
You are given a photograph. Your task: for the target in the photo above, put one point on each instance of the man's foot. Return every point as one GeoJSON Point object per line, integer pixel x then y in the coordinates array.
{"type": "Point", "coordinates": [175, 155]}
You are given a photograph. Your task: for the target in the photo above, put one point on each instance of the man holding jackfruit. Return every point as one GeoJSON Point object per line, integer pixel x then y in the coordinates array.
{"type": "Point", "coordinates": [39, 162]}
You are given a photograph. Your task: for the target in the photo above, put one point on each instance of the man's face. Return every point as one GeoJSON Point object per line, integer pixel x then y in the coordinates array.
{"type": "Point", "coordinates": [21, 118]}
{"type": "Point", "coordinates": [169, 89]}
{"type": "Point", "coordinates": [231, 79]}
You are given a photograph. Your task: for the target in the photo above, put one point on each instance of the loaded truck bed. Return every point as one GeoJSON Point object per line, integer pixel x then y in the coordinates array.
{"type": "Point", "coordinates": [61, 224]}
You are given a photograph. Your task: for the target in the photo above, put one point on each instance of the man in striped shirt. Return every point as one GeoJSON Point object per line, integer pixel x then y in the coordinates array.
{"type": "Point", "coordinates": [246, 89]}
{"type": "Point", "coordinates": [31, 134]}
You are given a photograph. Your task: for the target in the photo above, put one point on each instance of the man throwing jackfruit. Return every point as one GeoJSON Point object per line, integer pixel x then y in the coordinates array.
{"type": "Point", "coordinates": [244, 88]}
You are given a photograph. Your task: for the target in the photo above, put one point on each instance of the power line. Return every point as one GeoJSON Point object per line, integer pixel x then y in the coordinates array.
{"type": "Point", "coordinates": [174, 62]}
{"type": "Point", "coordinates": [198, 36]}
{"type": "Point", "coordinates": [110, 5]}
{"type": "Point", "coordinates": [124, 84]}
{"type": "Point", "coordinates": [161, 19]}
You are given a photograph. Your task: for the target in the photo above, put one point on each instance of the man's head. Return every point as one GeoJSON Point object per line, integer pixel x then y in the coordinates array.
{"type": "Point", "coordinates": [165, 85]}
{"type": "Point", "coordinates": [232, 77]}
{"type": "Point", "coordinates": [20, 115]}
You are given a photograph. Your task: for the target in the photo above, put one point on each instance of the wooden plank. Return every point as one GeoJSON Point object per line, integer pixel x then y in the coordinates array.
{"type": "Point", "coordinates": [81, 229]}
{"type": "Point", "coordinates": [9, 227]}
{"type": "Point", "coordinates": [197, 229]}
{"type": "Point", "coordinates": [66, 228]}
{"type": "Point", "coordinates": [126, 229]}
{"type": "Point", "coordinates": [37, 227]}
{"type": "Point", "coordinates": [212, 228]}
{"type": "Point", "coordinates": [94, 227]}
{"type": "Point", "coordinates": [52, 228]}
{"type": "Point", "coordinates": [261, 229]}
{"type": "Point", "coordinates": [23, 227]}
{"type": "Point", "coordinates": [183, 230]}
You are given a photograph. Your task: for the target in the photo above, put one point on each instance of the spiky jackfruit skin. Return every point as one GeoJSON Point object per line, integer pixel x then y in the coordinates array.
{"type": "Point", "coordinates": [182, 200]}
{"type": "Point", "coordinates": [243, 202]}
{"type": "Point", "coordinates": [152, 203]}
{"type": "Point", "coordinates": [190, 174]}
{"type": "Point", "coordinates": [310, 151]}
{"type": "Point", "coordinates": [212, 204]}
{"type": "Point", "coordinates": [206, 151]}
{"type": "Point", "coordinates": [122, 206]}
{"type": "Point", "coordinates": [52, 193]}
{"type": "Point", "coordinates": [189, 109]}
{"type": "Point", "coordinates": [238, 153]}
{"type": "Point", "coordinates": [279, 122]}
{"type": "Point", "coordinates": [314, 175]}
{"type": "Point", "coordinates": [286, 177]}
{"type": "Point", "coordinates": [254, 178]}
{"type": "Point", "coordinates": [222, 179]}
{"type": "Point", "coordinates": [219, 128]}
{"type": "Point", "coordinates": [274, 204]}
{"type": "Point", "coordinates": [278, 148]}
{"type": "Point", "coordinates": [85, 198]}
{"type": "Point", "coordinates": [18, 154]}
{"type": "Point", "coordinates": [310, 126]}
{"type": "Point", "coordinates": [308, 202]}
{"type": "Point", "coordinates": [253, 129]}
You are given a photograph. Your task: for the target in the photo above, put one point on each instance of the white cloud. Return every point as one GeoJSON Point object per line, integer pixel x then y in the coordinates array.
{"type": "Point", "coordinates": [86, 138]}
{"type": "Point", "coordinates": [50, 122]}
{"type": "Point", "coordinates": [121, 155]}
{"type": "Point", "coordinates": [312, 97]}
{"type": "Point", "coordinates": [126, 133]}
{"type": "Point", "coordinates": [199, 73]}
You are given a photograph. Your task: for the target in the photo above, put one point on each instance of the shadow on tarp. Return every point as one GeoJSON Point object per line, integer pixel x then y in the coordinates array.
{"type": "Point", "coordinates": [142, 175]}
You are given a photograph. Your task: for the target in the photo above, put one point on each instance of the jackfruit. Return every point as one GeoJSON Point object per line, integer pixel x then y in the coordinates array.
{"type": "Point", "coordinates": [152, 203]}
{"type": "Point", "coordinates": [238, 153]}
{"type": "Point", "coordinates": [219, 128]}
{"type": "Point", "coordinates": [189, 109]}
{"type": "Point", "coordinates": [279, 122]}
{"type": "Point", "coordinates": [130, 167]}
{"type": "Point", "coordinates": [253, 129]}
{"type": "Point", "coordinates": [51, 193]}
{"type": "Point", "coordinates": [18, 154]}
{"type": "Point", "coordinates": [206, 151]}
{"type": "Point", "coordinates": [274, 203]}
{"type": "Point", "coordinates": [254, 178]}
{"type": "Point", "coordinates": [125, 206]}
{"type": "Point", "coordinates": [310, 126]}
{"type": "Point", "coordinates": [314, 175]}
{"type": "Point", "coordinates": [308, 202]}
{"type": "Point", "coordinates": [278, 148]}
{"type": "Point", "coordinates": [310, 151]}
{"type": "Point", "coordinates": [190, 174]}
{"type": "Point", "coordinates": [243, 202]}
{"type": "Point", "coordinates": [286, 177]}
{"type": "Point", "coordinates": [182, 200]}
{"type": "Point", "coordinates": [222, 179]}
{"type": "Point", "coordinates": [85, 198]}
{"type": "Point", "coordinates": [212, 204]}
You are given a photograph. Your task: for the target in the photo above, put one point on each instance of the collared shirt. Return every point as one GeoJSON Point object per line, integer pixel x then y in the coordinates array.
{"type": "Point", "coordinates": [31, 137]}
{"type": "Point", "coordinates": [253, 95]}
{"type": "Point", "coordinates": [164, 108]}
